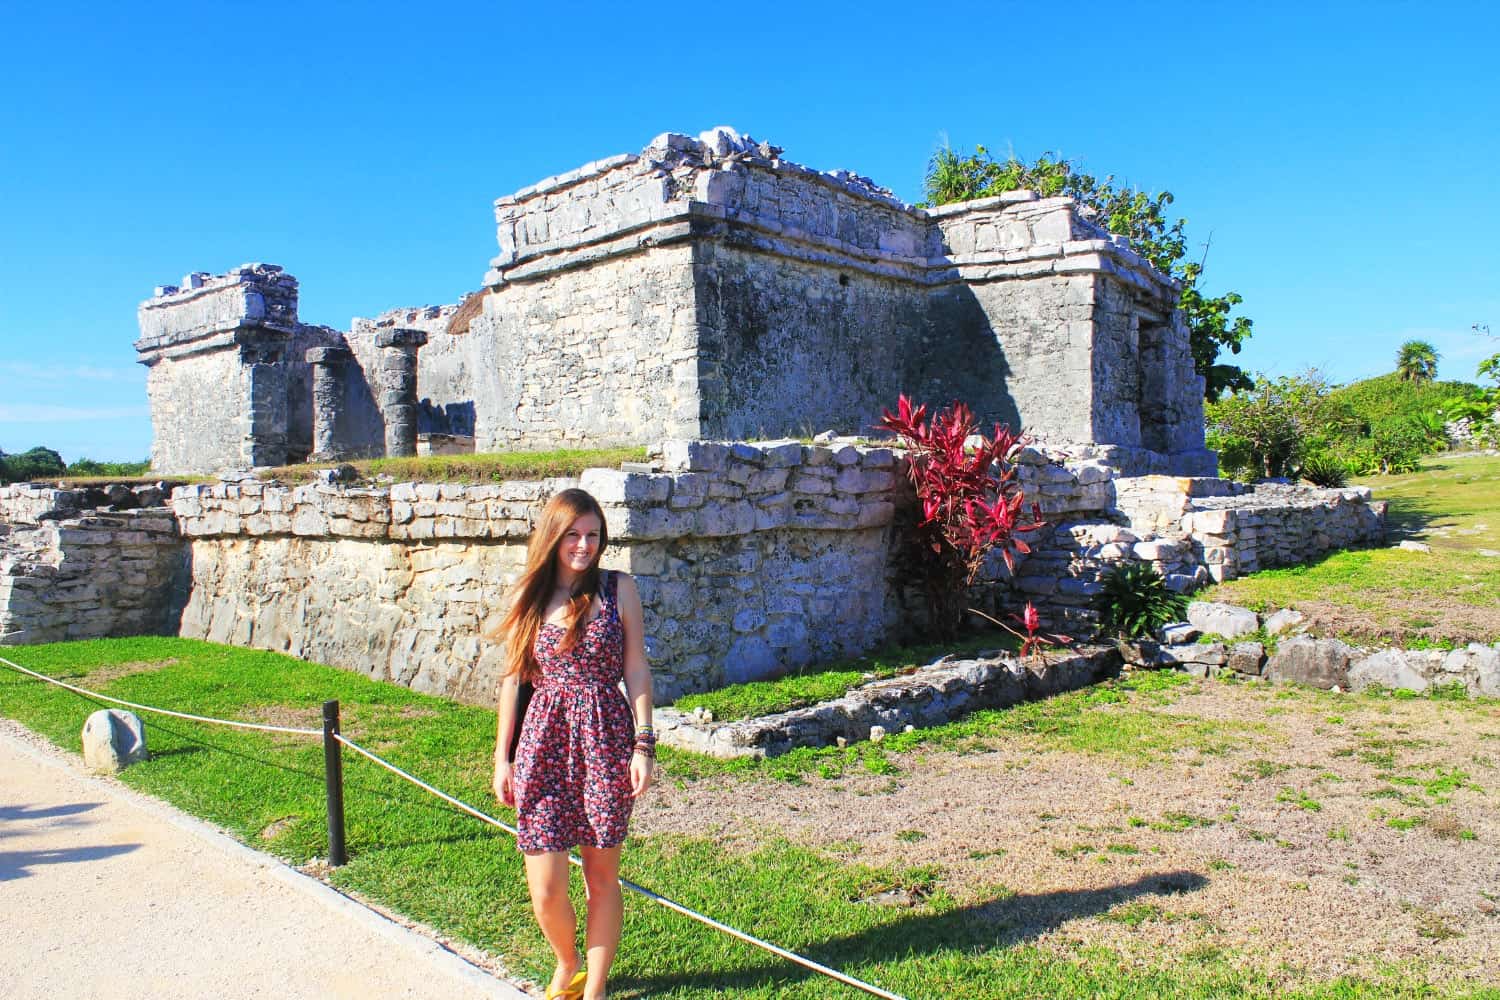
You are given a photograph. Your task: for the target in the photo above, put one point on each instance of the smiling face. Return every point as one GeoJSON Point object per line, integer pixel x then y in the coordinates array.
{"type": "Point", "coordinates": [579, 546]}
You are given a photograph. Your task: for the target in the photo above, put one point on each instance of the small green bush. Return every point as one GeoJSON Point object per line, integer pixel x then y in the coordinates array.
{"type": "Point", "coordinates": [1136, 601]}
{"type": "Point", "coordinates": [1323, 469]}
{"type": "Point", "coordinates": [123, 470]}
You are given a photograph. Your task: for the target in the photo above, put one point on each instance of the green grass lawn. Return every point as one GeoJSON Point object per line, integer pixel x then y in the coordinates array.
{"type": "Point", "coordinates": [496, 467]}
{"type": "Point", "coordinates": [416, 855]}
{"type": "Point", "coordinates": [1451, 594]}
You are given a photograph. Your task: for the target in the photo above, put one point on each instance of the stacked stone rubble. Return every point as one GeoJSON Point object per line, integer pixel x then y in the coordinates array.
{"type": "Point", "coordinates": [1206, 646]}
{"type": "Point", "coordinates": [931, 696]}
{"type": "Point", "coordinates": [752, 559]}
{"type": "Point", "coordinates": [90, 576]}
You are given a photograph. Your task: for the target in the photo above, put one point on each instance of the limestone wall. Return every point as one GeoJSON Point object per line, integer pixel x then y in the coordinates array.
{"type": "Point", "coordinates": [606, 355]}
{"type": "Point", "coordinates": [751, 559]}
{"type": "Point", "coordinates": [90, 576]}
{"type": "Point", "coordinates": [793, 347]}
{"type": "Point", "coordinates": [1279, 525]}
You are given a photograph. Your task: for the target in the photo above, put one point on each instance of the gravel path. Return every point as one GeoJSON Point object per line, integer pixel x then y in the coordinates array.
{"type": "Point", "coordinates": [102, 888]}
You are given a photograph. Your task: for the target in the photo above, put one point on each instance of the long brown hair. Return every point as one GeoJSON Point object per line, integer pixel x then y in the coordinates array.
{"type": "Point", "coordinates": [529, 596]}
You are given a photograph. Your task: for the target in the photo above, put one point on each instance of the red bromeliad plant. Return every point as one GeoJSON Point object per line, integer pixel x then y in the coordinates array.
{"type": "Point", "coordinates": [970, 501]}
{"type": "Point", "coordinates": [1033, 640]}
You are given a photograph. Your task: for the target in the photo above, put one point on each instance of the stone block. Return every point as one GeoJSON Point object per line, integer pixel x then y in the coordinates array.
{"type": "Point", "coordinates": [1180, 633]}
{"type": "Point", "coordinates": [113, 739]}
{"type": "Point", "coordinates": [1158, 550]}
{"type": "Point", "coordinates": [1182, 583]}
{"type": "Point", "coordinates": [612, 486]}
{"type": "Point", "coordinates": [1486, 665]}
{"type": "Point", "coordinates": [815, 455]}
{"type": "Point", "coordinates": [1322, 663]}
{"type": "Point", "coordinates": [846, 455]}
{"type": "Point", "coordinates": [693, 456]}
{"type": "Point", "coordinates": [781, 454]}
{"type": "Point", "coordinates": [1228, 620]}
{"type": "Point", "coordinates": [804, 483]}
{"type": "Point", "coordinates": [876, 515]}
{"type": "Point", "coordinates": [1247, 658]}
{"type": "Point", "coordinates": [1143, 653]}
{"type": "Point", "coordinates": [731, 517]}
{"type": "Point", "coordinates": [1389, 668]}
{"type": "Point", "coordinates": [1210, 522]}
{"type": "Point", "coordinates": [1207, 653]}
{"type": "Point", "coordinates": [1283, 621]}
{"type": "Point", "coordinates": [749, 620]}
{"type": "Point", "coordinates": [768, 480]}
{"type": "Point", "coordinates": [1079, 586]}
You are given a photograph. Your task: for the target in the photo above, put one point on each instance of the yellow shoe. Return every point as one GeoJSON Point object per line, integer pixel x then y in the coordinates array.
{"type": "Point", "coordinates": [573, 991]}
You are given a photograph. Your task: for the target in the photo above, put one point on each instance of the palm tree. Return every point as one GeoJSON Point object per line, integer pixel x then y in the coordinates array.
{"type": "Point", "coordinates": [1416, 361]}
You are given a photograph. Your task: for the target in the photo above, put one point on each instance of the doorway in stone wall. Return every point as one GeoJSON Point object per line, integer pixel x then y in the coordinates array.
{"type": "Point", "coordinates": [1151, 338]}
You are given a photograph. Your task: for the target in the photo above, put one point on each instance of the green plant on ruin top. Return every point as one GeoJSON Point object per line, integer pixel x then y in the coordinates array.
{"type": "Point", "coordinates": [1128, 211]}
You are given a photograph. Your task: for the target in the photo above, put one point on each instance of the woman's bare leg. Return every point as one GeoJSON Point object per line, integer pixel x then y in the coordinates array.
{"type": "Point", "coordinates": [547, 878]}
{"type": "Point", "coordinates": [601, 875]}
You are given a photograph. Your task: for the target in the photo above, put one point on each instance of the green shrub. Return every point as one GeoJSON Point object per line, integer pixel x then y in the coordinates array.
{"type": "Point", "coordinates": [1266, 430]}
{"type": "Point", "coordinates": [1136, 601]}
{"type": "Point", "coordinates": [38, 463]}
{"type": "Point", "coordinates": [123, 470]}
{"type": "Point", "coordinates": [1323, 469]}
{"type": "Point", "coordinates": [1399, 444]}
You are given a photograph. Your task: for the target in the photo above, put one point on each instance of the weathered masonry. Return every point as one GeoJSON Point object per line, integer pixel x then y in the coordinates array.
{"type": "Point", "coordinates": [701, 289]}
{"type": "Point", "coordinates": [752, 559]}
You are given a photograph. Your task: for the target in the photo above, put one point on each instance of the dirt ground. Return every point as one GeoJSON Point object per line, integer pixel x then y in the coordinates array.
{"type": "Point", "coordinates": [1337, 833]}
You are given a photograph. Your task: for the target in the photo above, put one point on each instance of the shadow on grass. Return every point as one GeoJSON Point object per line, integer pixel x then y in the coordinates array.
{"type": "Point", "coordinates": [994, 925]}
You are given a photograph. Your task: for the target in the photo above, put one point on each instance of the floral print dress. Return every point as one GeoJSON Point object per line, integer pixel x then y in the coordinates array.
{"type": "Point", "coordinates": [572, 777]}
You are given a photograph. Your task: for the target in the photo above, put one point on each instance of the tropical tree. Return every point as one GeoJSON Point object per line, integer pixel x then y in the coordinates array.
{"type": "Point", "coordinates": [1416, 361]}
{"type": "Point", "coordinates": [1267, 430]}
{"type": "Point", "coordinates": [1490, 368]}
{"type": "Point", "coordinates": [1131, 212]}
{"type": "Point", "coordinates": [38, 463]}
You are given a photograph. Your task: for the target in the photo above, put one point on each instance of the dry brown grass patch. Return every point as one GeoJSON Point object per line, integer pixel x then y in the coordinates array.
{"type": "Point", "coordinates": [114, 671]}
{"type": "Point", "coordinates": [471, 306]}
{"type": "Point", "coordinates": [1278, 836]}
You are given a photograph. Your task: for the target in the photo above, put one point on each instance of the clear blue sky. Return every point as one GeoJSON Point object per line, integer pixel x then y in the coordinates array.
{"type": "Point", "coordinates": [1343, 156]}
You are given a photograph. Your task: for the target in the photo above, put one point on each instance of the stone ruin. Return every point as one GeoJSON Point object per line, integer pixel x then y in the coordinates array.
{"type": "Point", "coordinates": [752, 559]}
{"type": "Point", "coordinates": [702, 289]}
{"type": "Point", "coordinates": [691, 297]}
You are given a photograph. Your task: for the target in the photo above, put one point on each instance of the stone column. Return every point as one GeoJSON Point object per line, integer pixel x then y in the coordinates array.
{"type": "Point", "coordinates": [328, 400]}
{"type": "Point", "coordinates": [264, 420]}
{"type": "Point", "coordinates": [398, 388]}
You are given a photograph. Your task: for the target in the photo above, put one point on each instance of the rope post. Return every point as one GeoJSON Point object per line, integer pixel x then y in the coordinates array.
{"type": "Point", "coordinates": [333, 774]}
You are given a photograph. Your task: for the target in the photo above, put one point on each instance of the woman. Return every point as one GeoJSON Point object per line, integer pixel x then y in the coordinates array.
{"type": "Point", "coordinates": [584, 752]}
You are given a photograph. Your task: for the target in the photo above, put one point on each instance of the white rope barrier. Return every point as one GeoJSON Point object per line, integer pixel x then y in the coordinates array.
{"type": "Point", "coordinates": [161, 711]}
{"type": "Point", "coordinates": [484, 817]}
{"type": "Point", "coordinates": [633, 887]}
